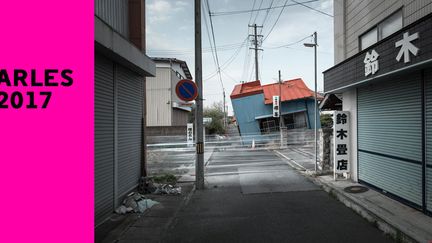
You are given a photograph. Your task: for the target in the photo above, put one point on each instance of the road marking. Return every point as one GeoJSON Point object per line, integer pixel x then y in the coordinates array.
{"type": "Point", "coordinates": [290, 160]}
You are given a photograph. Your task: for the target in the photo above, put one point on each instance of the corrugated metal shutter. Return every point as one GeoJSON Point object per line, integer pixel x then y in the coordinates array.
{"type": "Point", "coordinates": [428, 93]}
{"type": "Point", "coordinates": [104, 139]}
{"type": "Point", "coordinates": [130, 111]}
{"type": "Point", "coordinates": [390, 136]}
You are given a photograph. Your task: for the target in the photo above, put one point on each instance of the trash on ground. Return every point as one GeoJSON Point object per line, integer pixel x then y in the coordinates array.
{"type": "Point", "coordinates": [135, 202]}
{"type": "Point", "coordinates": [149, 185]}
{"type": "Point", "coordinates": [167, 189]}
{"type": "Point", "coordinates": [146, 185]}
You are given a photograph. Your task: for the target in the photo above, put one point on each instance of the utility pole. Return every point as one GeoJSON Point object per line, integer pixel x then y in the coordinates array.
{"type": "Point", "coordinates": [255, 35]}
{"type": "Point", "coordinates": [224, 110]}
{"type": "Point", "coordinates": [280, 110]}
{"type": "Point", "coordinates": [199, 164]}
{"type": "Point", "coordinates": [316, 108]}
{"type": "Point", "coordinates": [315, 45]}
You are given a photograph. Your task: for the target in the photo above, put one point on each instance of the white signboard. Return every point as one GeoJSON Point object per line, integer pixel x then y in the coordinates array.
{"type": "Point", "coordinates": [276, 112]}
{"type": "Point", "coordinates": [189, 134]}
{"type": "Point", "coordinates": [342, 148]}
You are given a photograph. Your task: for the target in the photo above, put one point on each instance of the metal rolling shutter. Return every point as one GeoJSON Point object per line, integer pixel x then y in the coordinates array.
{"type": "Point", "coordinates": [428, 93]}
{"type": "Point", "coordinates": [104, 139]}
{"type": "Point", "coordinates": [130, 112]}
{"type": "Point", "coordinates": [390, 136]}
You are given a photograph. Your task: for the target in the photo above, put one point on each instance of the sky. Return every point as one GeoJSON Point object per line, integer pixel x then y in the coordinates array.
{"type": "Point", "coordinates": [170, 33]}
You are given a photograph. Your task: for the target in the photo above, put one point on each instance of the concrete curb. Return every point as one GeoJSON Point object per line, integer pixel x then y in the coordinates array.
{"type": "Point", "coordinates": [387, 227]}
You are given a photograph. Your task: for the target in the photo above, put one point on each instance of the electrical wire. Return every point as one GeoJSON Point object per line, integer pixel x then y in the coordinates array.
{"type": "Point", "coordinates": [266, 15]}
{"type": "Point", "coordinates": [215, 14]}
{"type": "Point", "coordinates": [253, 7]}
{"type": "Point", "coordinates": [256, 16]}
{"type": "Point", "coordinates": [228, 61]}
{"type": "Point", "coordinates": [271, 29]}
{"type": "Point", "coordinates": [290, 44]}
{"type": "Point", "coordinates": [214, 43]}
{"type": "Point", "coordinates": [314, 9]}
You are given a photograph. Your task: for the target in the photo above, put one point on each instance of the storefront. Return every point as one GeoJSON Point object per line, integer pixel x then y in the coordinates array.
{"type": "Point", "coordinates": [388, 90]}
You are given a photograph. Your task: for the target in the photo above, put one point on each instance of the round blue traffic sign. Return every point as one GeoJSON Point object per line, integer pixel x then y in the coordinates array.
{"type": "Point", "coordinates": [186, 90]}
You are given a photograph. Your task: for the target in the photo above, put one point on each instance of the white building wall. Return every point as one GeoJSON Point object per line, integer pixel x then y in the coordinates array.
{"type": "Point", "coordinates": [350, 104]}
{"type": "Point", "coordinates": [159, 98]}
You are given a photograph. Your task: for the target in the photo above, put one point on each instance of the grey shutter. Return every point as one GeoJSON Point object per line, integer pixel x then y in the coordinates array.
{"type": "Point", "coordinates": [428, 93]}
{"type": "Point", "coordinates": [130, 112]}
{"type": "Point", "coordinates": [104, 139]}
{"type": "Point", "coordinates": [389, 136]}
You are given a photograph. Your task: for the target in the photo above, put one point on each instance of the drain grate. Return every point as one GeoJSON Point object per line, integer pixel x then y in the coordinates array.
{"type": "Point", "coordinates": [356, 189]}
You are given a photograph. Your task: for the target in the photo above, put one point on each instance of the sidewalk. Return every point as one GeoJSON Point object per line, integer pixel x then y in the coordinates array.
{"type": "Point", "coordinates": [404, 223]}
{"type": "Point", "coordinates": [152, 225]}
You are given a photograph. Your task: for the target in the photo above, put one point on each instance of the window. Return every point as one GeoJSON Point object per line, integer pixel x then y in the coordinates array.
{"type": "Point", "coordinates": [369, 38]}
{"type": "Point", "coordinates": [391, 25]}
{"type": "Point", "coordinates": [384, 29]}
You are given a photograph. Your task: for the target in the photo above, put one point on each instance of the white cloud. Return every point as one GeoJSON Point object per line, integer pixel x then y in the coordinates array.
{"type": "Point", "coordinates": [162, 10]}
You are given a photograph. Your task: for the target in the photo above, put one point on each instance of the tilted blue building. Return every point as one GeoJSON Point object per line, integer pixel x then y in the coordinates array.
{"type": "Point", "coordinates": [253, 106]}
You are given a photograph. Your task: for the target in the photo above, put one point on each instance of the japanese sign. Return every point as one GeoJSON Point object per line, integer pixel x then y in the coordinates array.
{"type": "Point", "coordinates": [406, 47]}
{"type": "Point", "coordinates": [402, 50]}
{"type": "Point", "coordinates": [341, 137]}
{"type": "Point", "coordinates": [371, 63]}
{"type": "Point", "coordinates": [189, 134]}
{"type": "Point", "coordinates": [276, 106]}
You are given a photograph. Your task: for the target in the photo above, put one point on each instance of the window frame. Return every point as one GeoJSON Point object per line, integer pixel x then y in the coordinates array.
{"type": "Point", "coordinates": [378, 29]}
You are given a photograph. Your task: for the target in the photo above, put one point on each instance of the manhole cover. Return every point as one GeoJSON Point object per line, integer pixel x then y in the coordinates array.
{"type": "Point", "coordinates": [355, 189]}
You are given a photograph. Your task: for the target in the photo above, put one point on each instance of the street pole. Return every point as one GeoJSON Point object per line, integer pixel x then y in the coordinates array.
{"type": "Point", "coordinates": [199, 165]}
{"type": "Point", "coordinates": [315, 96]}
{"type": "Point", "coordinates": [256, 52]}
{"type": "Point", "coordinates": [280, 110]}
{"type": "Point", "coordinates": [256, 48]}
{"type": "Point", "coordinates": [224, 111]}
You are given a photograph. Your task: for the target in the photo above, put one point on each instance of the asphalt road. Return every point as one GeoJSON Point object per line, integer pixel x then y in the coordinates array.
{"type": "Point", "coordinates": [254, 196]}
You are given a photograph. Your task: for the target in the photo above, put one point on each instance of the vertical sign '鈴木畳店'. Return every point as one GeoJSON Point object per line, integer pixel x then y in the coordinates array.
{"type": "Point", "coordinates": [341, 138]}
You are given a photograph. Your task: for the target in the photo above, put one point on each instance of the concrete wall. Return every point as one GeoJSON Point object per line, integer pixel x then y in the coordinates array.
{"type": "Point", "coordinates": [166, 131]}
{"type": "Point", "coordinates": [159, 98]}
{"type": "Point", "coordinates": [179, 117]}
{"type": "Point", "coordinates": [355, 17]}
{"type": "Point", "coordinates": [350, 104]}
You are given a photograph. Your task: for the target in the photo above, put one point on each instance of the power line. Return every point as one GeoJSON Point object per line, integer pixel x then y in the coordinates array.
{"type": "Point", "coordinates": [256, 16]}
{"type": "Point", "coordinates": [275, 22]}
{"type": "Point", "coordinates": [191, 51]}
{"type": "Point", "coordinates": [257, 10]}
{"type": "Point", "coordinates": [314, 9]}
{"type": "Point", "coordinates": [267, 13]}
{"type": "Point", "coordinates": [229, 60]}
{"type": "Point", "coordinates": [253, 6]}
{"type": "Point", "coordinates": [217, 62]}
{"type": "Point", "coordinates": [214, 42]}
{"type": "Point", "coordinates": [290, 44]}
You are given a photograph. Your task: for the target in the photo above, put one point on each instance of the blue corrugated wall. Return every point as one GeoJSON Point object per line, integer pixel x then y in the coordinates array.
{"type": "Point", "coordinates": [249, 107]}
